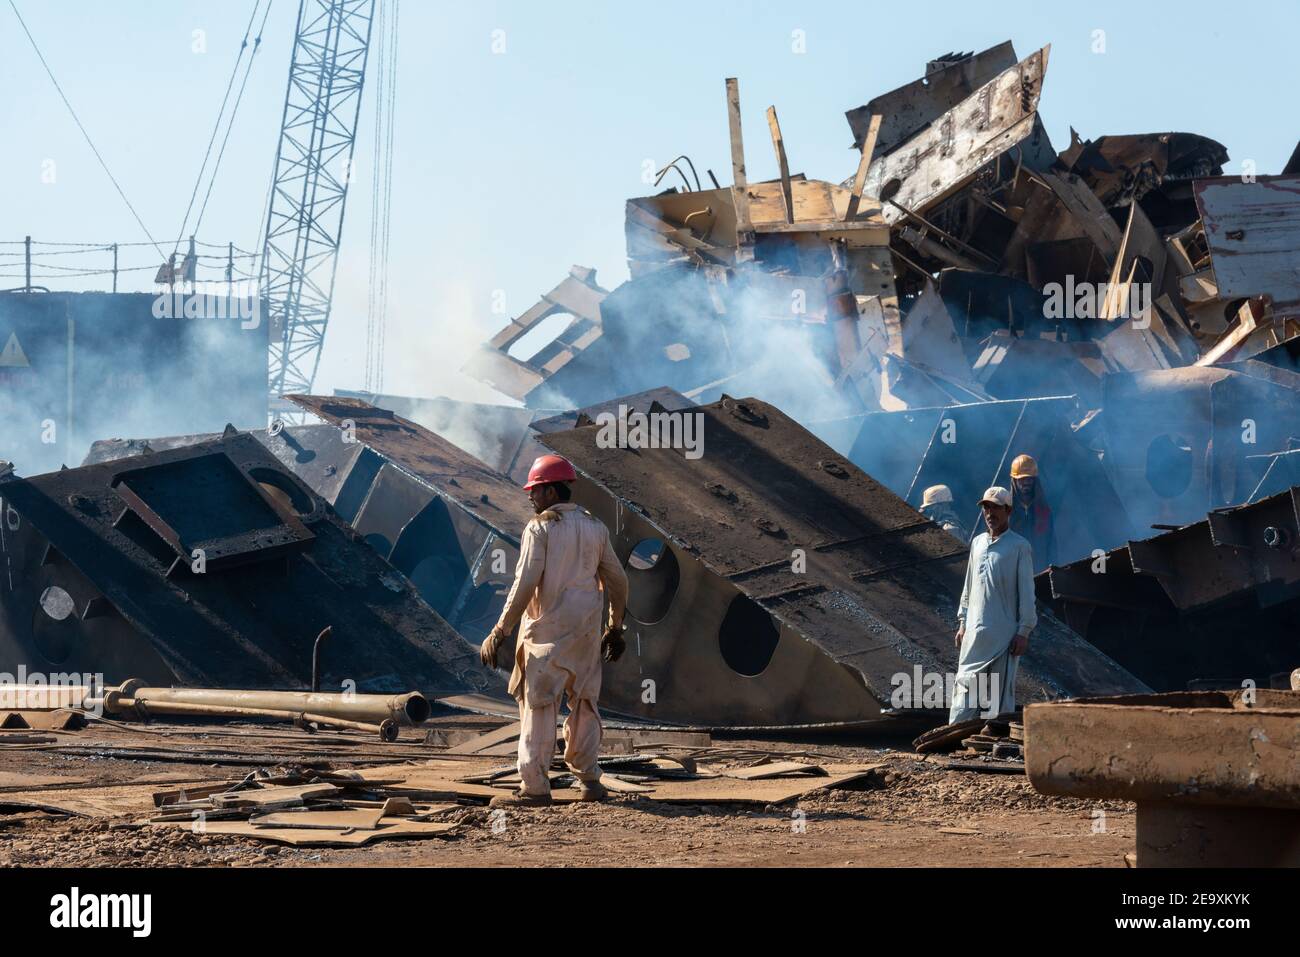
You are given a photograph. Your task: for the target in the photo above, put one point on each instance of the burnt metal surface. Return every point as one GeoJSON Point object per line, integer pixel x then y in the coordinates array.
{"type": "Point", "coordinates": [430, 525]}
{"type": "Point", "coordinates": [879, 592]}
{"type": "Point", "coordinates": [1216, 776]}
{"type": "Point", "coordinates": [1218, 599]}
{"type": "Point", "coordinates": [450, 472]}
{"type": "Point", "coordinates": [236, 522]}
{"type": "Point", "coordinates": [95, 586]}
{"type": "Point", "coordinates": [1252, 230]}
{"type": "Point", "coordinates": [1154, 169]}
{"type": "Point", "coordinates": [999, 116]}
{"type": "Point", "coordinates": [499, 435]}
{"type": "Point", "coordinates": [1233, 551]}
{"type": "Point", "coordinates": [910, 108]}
{"type": "Point", "coordinates": [662, 398]}
{"type": "Point", "coordinates": [317, 454]}
{"type": "Point", "coordinates": [445, 520]}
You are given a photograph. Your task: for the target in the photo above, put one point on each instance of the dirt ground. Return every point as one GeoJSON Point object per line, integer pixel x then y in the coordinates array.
{"type": "Point", "coordinates": [909, 812]}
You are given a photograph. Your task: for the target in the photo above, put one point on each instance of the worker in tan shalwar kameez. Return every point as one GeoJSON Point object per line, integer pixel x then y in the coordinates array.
{"type": "Point", "coordinates": [567, 569]}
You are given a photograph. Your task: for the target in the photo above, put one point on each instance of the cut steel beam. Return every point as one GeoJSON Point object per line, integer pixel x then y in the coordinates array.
{"type": "Point", "coordinates": [1216, 776]}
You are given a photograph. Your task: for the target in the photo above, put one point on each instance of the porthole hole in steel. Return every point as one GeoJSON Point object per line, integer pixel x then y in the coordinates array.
{"type": "Point", "coordinates": [57, 603]}
{"type": "Point", "coordinates": [748, 637]}
{"type": "Point", "coordinates": [1169, 465]}
{"type": "Point", "coordinates": [653, 576]}
{"type": "Point", "coordinates": [282, 489]}
{"type": "Point", "coordinates": [55, 626]}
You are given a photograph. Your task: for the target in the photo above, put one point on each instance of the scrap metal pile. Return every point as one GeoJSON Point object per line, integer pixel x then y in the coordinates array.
{"type": "Point", "coordinates": [1118, 309]}
{"type": "Point", "coordinates": [966, 293]}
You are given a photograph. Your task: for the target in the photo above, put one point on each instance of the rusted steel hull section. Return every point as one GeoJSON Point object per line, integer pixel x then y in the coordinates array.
{"type": "Point", "coordinates": [1214, 601]}
{"type": "Point", "coordinates": [1216, 776]}
{"type": "Point", "coordinates": [210, 565]}
{"type": "Point", "coordinates": [789, 585]}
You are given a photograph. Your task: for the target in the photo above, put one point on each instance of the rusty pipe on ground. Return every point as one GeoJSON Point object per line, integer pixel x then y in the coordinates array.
{"type": "Point", "coordinates": [403, 710]}
{"type": "Point", "coordinates": [386, 729]}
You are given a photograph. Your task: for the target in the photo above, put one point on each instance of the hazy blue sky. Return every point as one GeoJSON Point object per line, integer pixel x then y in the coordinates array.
{"type": "Point", "coordinates": [513, 166]}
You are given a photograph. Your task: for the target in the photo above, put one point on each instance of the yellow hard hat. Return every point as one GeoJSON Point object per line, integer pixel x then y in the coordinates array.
{"type": "Point", "coordinates": [1024, 466]}
{"type": "Point", "coordinates": [936, 495]}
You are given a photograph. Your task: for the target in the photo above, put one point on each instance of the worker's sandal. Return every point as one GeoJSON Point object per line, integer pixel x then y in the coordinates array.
{"type": "Point", "coordinates": [592, 791]}
{"type": "Point", "coordinates": [521, 799]}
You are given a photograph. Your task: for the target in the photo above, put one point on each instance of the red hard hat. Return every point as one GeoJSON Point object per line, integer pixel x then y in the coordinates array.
{"type": "Point", "coordinates": [550, 468]}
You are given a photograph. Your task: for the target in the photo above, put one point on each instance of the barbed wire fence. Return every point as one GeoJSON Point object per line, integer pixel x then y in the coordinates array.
{"type": "Point", "coordinates": [42, 265]}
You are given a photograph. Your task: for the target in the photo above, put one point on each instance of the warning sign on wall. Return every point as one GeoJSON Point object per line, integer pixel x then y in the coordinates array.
{"type": "Point", "coordinates": [13, 356]}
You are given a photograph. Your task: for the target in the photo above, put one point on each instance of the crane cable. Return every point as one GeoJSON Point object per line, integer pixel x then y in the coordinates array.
{"type": "Point", "coordinates": [239, 98]}
{"type": "Point", "coordinates": [81, 127]}
{"type": "Point", "coordinates": [388, 191]}
{"type": "Point", "coordinates": [371, 283]}
{"type": "Point", "coordinates": [216, 126]}
{"type": "Point", "coordinates": [381, 195]}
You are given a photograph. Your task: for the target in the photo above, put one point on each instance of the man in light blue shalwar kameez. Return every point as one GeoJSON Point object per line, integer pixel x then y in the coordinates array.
{"type": "Point", "coordinates": [996, 615]}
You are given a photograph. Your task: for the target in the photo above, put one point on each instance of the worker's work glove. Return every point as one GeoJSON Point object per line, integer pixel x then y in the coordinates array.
{"type": "Point", "coordinates": [487, 652]}
{"type": "Point", "coordinates": [612, 644]}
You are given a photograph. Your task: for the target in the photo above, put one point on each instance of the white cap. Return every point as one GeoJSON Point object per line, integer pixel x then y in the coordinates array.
{"type": "Point", "coordinates": [997, 495]}
{"type": "Point", "coordinates": [936, 495]}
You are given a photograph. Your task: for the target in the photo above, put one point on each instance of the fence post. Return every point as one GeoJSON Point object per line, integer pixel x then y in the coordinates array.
{"type": "Point", "coordinates": [27, 246]}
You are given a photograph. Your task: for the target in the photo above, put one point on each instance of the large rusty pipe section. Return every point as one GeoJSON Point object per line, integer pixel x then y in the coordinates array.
{"type": "Point", "coordinates": [404, 710]}
{"type": "Point", "coordinates": [387, 729]}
